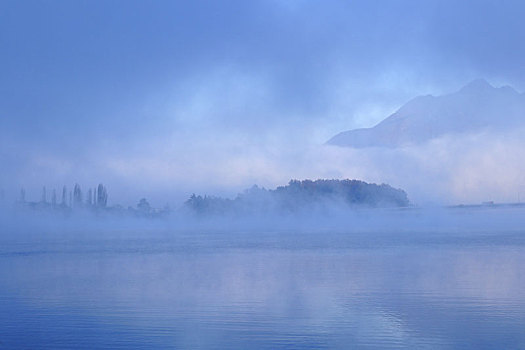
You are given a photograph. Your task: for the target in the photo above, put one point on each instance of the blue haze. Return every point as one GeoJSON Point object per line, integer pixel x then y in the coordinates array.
{"type": "Point", "coordinates": [162, 99]}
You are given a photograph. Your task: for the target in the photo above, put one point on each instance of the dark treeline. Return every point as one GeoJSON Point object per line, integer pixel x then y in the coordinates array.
{"type": "Point", "coordinates": [93, 200]}
{"type": "Point", "coordinates": [295, 197]}
{"type": "Point", "coordinates": [96, 197]}
{"type": "Point", "coordinates": [299, 196]}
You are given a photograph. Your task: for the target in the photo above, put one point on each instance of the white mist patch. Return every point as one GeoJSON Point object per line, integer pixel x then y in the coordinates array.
{"type": "Point", "coordinates": [468, 168]}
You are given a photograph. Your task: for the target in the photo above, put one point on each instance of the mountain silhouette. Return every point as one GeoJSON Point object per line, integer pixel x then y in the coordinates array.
{"type": "Point", "coordinates": [476, 107]}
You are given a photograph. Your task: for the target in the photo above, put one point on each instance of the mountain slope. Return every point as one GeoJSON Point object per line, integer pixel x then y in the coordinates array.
{"type": "Point", "coordinates": [477, 106]}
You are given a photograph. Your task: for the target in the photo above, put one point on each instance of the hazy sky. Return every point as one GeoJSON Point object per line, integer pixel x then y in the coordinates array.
{"type": "Point", "coordinates": [165, 98]}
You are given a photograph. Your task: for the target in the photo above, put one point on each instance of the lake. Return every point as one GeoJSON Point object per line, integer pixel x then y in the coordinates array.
{"type": "Point", "coordinates": [264, 289]}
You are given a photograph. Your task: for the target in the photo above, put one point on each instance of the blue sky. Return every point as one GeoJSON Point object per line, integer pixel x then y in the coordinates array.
{"type": "Point", "coordinates": [169, 97]}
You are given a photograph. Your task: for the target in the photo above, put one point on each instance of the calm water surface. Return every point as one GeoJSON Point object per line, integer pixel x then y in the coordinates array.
{"type": "Point", "coordinates": [265, 290]}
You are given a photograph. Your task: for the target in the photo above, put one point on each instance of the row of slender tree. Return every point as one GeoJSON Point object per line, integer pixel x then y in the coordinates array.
{"type": "Point", "coordinates": [95, 197]}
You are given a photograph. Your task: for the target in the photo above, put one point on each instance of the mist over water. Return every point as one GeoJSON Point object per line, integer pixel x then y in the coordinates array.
{"type": "Point", "coordinates": [440, 279]}
{"type": "Point", "coordinates": [374, 278]}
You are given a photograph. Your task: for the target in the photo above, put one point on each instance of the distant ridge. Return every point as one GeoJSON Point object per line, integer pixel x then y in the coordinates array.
{"type": "Point", "coordinates": [476, 106]}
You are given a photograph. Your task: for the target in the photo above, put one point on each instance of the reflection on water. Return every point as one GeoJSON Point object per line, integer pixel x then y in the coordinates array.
{"type": "Point", "coordinates": [265, 290]}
